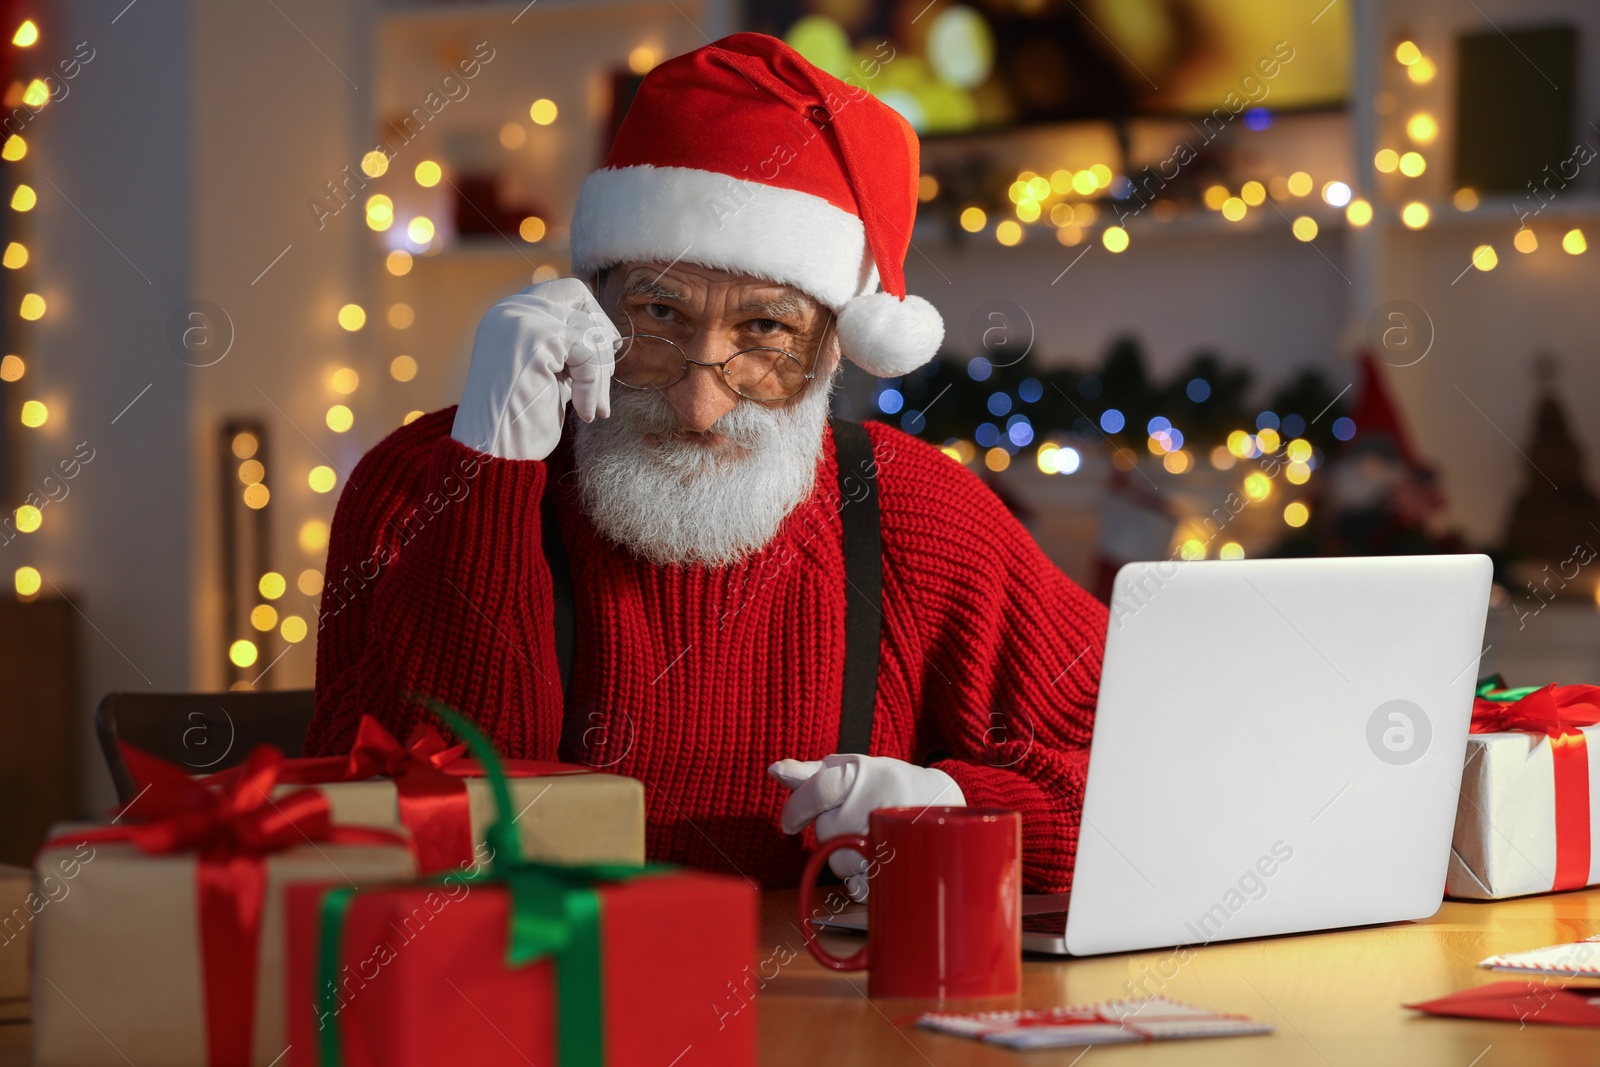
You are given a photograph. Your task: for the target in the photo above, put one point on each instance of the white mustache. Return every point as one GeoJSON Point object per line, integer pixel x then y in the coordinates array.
{"type": "Point", "coordinates": [675, 502]}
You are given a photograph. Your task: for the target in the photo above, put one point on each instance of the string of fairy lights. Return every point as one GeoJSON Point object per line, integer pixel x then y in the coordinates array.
{"type": "Point", "coordinates": [1072, 202]}
{"type": "Point", "coordinates": [267, 615]}
{"type": "Point", "coordinates": [406, 231]}
{"type": "Point", "coordinates": [27, 518]}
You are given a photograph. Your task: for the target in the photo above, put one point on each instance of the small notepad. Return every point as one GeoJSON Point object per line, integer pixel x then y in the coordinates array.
{"type": "Point", "coordinates": [1567, 961]}
{"type": "Point", "coordinates": [1110, 1022]}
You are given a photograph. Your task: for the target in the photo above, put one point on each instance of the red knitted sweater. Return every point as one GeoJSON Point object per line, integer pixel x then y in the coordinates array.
{"type": "Point", "coordinates": [696, 678]}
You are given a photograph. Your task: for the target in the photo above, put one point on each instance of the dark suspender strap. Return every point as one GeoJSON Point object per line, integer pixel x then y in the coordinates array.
{"type": "Point", "coordinates": [565, 624]}
{"type": "Point", "coordinates": [863, 591]}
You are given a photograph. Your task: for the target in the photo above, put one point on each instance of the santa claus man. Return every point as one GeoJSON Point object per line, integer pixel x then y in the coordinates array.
{"type": "Point", "coordinates": [774, 620]}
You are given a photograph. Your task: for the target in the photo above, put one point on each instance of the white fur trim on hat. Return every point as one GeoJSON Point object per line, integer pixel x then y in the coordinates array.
{"type": "Point", "coordinates": [888, 337]}
{"type": "Point", "coordinates": [667, 214]}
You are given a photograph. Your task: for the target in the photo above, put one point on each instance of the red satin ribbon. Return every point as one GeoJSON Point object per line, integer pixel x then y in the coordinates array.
{"type": "Point", "coordinates": [427, 774]}
{"type": "Point", "coordinates": [1558, 712]}
{"type": "Point", "coordinates": [233, 824]}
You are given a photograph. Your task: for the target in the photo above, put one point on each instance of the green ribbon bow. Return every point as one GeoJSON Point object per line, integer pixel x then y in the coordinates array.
{"type": "Point", "coordinates": [1493, 688]}
{"type": "Point", "coordinates": [555, 912]}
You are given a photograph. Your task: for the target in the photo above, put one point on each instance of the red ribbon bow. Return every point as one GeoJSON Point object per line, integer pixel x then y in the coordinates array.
{"type": "Point", "coordinates": [1554, 710]}
{"type": "Point", "coordinates": [1558, 712]}
{"type": "Point", "coordinates": [233, 824]}
{"type": "Point", "coordinates": [433, 805]}
{"type": "Point", "coordinates": [377, 754]}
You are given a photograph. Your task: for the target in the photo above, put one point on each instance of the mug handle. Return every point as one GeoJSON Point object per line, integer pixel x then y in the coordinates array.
{"type": "Point", "coordinates": [808, 882]}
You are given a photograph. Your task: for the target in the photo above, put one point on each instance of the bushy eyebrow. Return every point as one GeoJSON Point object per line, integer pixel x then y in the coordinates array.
{"type": "Point", "coordinates": [774, 308]}
{"type": "Point", "coordinates": [782, 307]}
{"type": "Point", "coordinates": [655, 288]}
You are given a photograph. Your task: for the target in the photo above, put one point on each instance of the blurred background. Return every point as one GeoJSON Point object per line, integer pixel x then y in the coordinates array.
{"type": "Point", "coordinates": [1222, 279]}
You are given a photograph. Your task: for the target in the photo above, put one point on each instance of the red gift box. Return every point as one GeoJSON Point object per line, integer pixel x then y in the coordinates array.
{"type": "Point", "coordinates": [423, 976]}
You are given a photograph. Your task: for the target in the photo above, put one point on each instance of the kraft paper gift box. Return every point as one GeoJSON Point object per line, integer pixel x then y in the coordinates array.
{"type": "Point", "coordinates": [167, 947]}
{"type": "Point", "coordinates": [565, 813]}
{"type": "Point", "coordinates": [1529, 815]}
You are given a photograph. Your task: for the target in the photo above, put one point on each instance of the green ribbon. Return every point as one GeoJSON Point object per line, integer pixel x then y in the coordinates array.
{"type": "Point", "coordinates": [1493, 688]}
{"type": "Point", "coordinates": [555, 912]}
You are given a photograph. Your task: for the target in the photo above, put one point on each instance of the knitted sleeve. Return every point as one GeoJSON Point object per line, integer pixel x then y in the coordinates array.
{"type": "Point", "coordinates": [436, 583]}
{"type": "Point", "coordinates": [1012, 650]}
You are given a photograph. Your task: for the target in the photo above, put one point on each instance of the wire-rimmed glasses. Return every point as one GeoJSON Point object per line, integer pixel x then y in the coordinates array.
{"type": "Point", "coordinates": [762, 373]}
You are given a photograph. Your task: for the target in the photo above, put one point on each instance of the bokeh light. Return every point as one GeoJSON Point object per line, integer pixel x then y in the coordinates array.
{"type": "Point", "coordinates": [27, 581]}
{"type": "Point", "coordinates": [1422, 128]}
{"type": "Point", "coordinates": [313, 535]}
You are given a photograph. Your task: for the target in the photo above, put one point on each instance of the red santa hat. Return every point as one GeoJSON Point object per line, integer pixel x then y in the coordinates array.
{"type": "Point", "coordinates": [745, 157]}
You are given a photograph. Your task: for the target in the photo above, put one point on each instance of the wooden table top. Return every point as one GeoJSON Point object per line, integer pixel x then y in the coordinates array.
{"type": "Point", "coordinates": [1334, 998]}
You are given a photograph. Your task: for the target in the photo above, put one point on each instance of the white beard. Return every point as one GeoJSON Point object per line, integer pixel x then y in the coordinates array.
{"type": "Point", "coordinates": [675, 502]}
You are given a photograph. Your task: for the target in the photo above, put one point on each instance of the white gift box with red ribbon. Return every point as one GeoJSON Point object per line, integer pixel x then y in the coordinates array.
{"type": "Point", "coordinates": [1528, 820]}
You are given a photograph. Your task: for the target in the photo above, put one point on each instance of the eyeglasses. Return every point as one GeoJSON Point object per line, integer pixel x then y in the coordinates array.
{"type": "Point", "coordinates": [650, 361]}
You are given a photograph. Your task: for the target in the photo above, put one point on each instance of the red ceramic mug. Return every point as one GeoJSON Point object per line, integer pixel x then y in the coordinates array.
{"type": "Point", "coordinates": [944, 908]}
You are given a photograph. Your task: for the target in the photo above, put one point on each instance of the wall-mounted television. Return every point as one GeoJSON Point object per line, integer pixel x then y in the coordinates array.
{"type": "Point", "coordinates": [991, 64]}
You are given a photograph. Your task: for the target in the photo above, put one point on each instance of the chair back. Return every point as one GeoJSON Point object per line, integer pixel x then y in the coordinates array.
{"type": "Point", "coordinates": [201, 732]}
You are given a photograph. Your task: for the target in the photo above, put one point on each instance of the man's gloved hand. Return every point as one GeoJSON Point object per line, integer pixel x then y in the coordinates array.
{"type": "Point", "coordinates": [534, 351]}
{"type": "Point", "coordinates": [838, 792]}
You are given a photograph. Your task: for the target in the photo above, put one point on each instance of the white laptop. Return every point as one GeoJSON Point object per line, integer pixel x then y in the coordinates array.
{"type": "Point", "coordinates": [1277, 749]}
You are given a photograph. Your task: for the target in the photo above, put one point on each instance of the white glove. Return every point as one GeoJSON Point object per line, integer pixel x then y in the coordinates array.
{"type": "Point", "coordinates": [838, 792]}
{"type": "Point", "coordinates": [534, 351]}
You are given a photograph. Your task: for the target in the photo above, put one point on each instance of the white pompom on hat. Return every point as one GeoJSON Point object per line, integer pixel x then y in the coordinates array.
{"type": "Point", "coordinates": [743, 156]}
